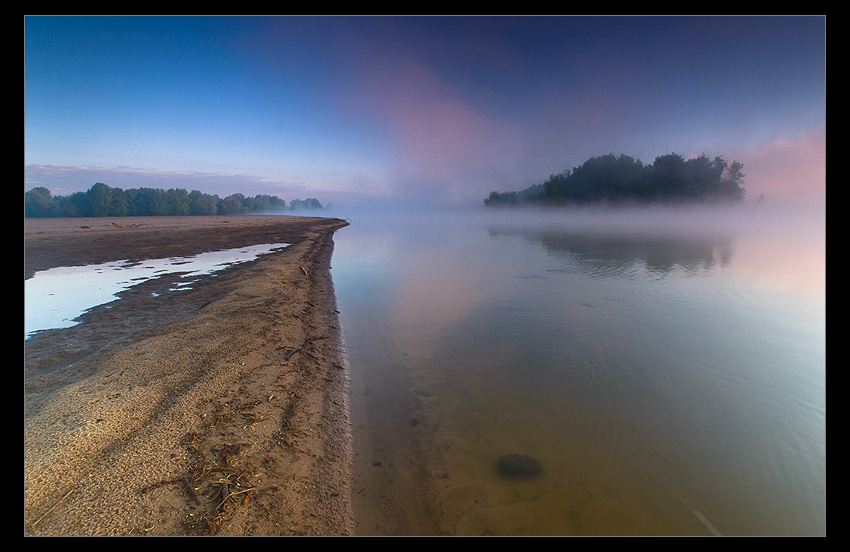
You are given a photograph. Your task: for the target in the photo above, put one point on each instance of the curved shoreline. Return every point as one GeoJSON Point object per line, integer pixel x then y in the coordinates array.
{"type": "Point", "coordinates": [221, 410]}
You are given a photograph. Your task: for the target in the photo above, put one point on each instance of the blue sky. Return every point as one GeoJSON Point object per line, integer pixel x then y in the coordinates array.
{"type": "Point", "coordinates": [427, 109]}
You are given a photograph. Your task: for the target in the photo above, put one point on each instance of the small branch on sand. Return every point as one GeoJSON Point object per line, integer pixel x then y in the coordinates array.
{"type": "Point", "coordinates": [304, 270]}
{"type": "Point", "coordinates": [225, 492]}
{"type": "Point", "coordinates": [54, 507]}
{"type": "Point", "coordinates": [290, 353]}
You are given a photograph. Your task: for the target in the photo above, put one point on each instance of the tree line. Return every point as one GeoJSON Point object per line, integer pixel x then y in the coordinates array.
{"type": "Point", "coordinates": [104, 201]}
{"type": "Point", "coordinates": [623, 180]}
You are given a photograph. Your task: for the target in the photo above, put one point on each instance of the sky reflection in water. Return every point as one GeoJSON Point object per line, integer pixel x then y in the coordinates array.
{"type": "Point", "coordinates": [671, 381]}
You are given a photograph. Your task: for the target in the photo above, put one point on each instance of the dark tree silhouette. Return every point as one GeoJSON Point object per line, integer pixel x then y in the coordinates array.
{"type": "Point", "coordinates": [623, 180]}
{"type": "Point", "coordinates": [104, 201]}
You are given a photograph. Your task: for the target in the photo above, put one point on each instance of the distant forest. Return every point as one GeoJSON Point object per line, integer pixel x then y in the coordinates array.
{"type": "Point", "coordinates": [623, 180]}
{"type": "Point", "coordinates": [103, 201]}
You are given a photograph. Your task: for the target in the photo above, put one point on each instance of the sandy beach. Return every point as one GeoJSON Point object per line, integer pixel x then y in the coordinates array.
{"type": "Point", "coordinates": [220, 410]}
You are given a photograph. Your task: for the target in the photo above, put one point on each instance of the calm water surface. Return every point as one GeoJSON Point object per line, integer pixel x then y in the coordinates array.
{"type": "Point", "coordinates": [668, 372]}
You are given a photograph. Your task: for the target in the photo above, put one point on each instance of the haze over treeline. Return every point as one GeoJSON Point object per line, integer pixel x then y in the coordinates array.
{"type": "Point", "coordinates": [104, 201]}
{"type": "Point", "coordinates": [624, 180]}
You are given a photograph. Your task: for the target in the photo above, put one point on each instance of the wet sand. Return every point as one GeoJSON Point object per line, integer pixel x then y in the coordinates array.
{"type": "Point", "coordinates": [218, 410]}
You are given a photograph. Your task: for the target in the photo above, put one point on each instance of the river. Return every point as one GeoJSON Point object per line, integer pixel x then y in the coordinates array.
{"type": "Point", "coordinates": [666, 369]}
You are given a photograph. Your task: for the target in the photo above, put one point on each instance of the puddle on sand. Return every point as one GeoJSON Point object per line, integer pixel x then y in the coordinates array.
{"type": "Point", "coordinates": [55, 298]}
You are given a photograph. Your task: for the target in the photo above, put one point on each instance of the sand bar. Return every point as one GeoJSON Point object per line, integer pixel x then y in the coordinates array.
{"type": "Point", "coordinates": [217, 410]}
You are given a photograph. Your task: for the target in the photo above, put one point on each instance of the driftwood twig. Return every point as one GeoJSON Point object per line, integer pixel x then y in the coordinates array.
{"type": "Point", "coordinates": [54, 507]}
{"type": "Point", "coordinates": [290, 353]}
{"type": "Point", "coordinates": [224, 490]}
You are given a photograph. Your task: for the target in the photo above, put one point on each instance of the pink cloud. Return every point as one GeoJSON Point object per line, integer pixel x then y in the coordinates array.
{"type": "Point", "coordinates": [439, 137]}
{"type": "Point", "coordinates": [436, 131]}
{"type": "Point", "coordinates": [788, 170]}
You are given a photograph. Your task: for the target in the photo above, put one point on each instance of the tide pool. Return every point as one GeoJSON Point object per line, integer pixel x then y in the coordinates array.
{"type": "Point", "coordinates": [57, 297]}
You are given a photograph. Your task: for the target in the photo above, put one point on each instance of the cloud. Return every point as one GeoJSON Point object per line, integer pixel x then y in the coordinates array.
{"type": "Point", "coordinates": [436, 135]}
{"type": "Point", "coordinates": [788, 170]}
{"type": "Point", "coordinates": [65, 180]}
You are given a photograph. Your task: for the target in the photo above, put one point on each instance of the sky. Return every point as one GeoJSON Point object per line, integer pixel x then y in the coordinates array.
{"type": "Point", "coordinates": [427, 110]}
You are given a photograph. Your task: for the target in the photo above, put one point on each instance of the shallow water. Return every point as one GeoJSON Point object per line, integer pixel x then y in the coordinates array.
{"type": "Point", "coordinates": [668, 372]}
{"type": "Point", "coordinates": [57, 297]}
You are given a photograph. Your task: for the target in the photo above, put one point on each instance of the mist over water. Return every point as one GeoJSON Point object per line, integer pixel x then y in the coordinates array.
{"type": "Point", "coordinates": [665, 366]}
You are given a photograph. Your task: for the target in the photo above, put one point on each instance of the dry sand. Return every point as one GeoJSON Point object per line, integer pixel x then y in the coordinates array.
{"type": "Point", "coordinates": [189, 413]}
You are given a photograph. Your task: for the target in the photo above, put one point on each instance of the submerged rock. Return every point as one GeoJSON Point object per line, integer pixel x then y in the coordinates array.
{"type": "Point", "coordinates": [518, 465]}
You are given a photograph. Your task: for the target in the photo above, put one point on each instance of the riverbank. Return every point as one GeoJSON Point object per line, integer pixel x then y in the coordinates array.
{"type": "Point", "coordinates": [218, 410]}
